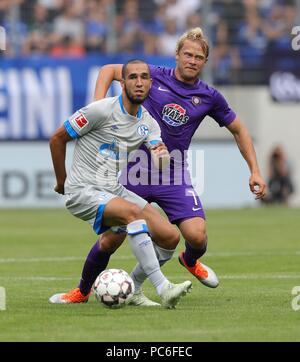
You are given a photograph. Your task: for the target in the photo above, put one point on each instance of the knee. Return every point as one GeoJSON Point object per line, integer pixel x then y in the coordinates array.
{"type": "Point", "coordinates": [106, 245]}
{"type": "Point", "coordinates": [198, 240]}
{"type": "Point", "coordinates": [133, 212]}
{"type": "Point", "coordinates": [109, 244]}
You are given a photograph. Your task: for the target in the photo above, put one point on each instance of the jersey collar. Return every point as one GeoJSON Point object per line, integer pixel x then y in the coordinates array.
{"type": "Point", "coordinates": [183, 84]}
{"type": "Point", "coordinates": [139, 112]}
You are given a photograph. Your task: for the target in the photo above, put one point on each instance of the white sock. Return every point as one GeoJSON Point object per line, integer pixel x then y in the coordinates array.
{"type": "Point", "coordinates": [142, 247]}
{"type": "Point", "coordinates": [138, 275]}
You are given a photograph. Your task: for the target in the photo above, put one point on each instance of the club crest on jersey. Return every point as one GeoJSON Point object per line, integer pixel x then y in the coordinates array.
{"type": "Point", "coordinates": [81, 121]}
{"type": "Point", "coordinates": [143, 130]}
{"type": "Point", "coordinates": [174, 115]}
{"type": "Point", "coordinates": [196, 101]}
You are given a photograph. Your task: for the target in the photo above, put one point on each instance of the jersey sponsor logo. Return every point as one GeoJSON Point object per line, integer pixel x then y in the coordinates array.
{"type": "Point", "coordinates": [143, 130]}
{"type": "Point", "coordinates": [81, 121]}
{"type": "Point", "coordinates": [112, 151]}
{"type": "Point", "coordinates": [174, 115]}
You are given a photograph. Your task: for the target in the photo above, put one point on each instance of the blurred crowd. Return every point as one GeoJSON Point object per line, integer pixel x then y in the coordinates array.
{"type": "Point", "coordinates": [240, 32]}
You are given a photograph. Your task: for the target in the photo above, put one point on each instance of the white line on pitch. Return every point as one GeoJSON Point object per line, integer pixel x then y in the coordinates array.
{"type": "Point", "coordinates": [129, 257]}
{"type": "Point", "coordinates": [261, 276]}
{"type": "Point", "coordinates": [32, 279]}
{"type": "Point", "coordinates": [225, 276]}
{"type": "Point", "coordinates": [55, 259]}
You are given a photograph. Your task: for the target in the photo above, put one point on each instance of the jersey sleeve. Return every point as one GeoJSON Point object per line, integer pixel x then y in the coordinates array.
{"type": "Point", "coordinates": [86, 119]}
{"type": "Point", "coordinates": [154, 134]}
{"type": "Point", "coordinates": [221, 112]}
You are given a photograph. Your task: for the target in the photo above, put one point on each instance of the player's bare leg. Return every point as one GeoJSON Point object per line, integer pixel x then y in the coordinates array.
{"type": "Point", "coordinates": [194, 232]}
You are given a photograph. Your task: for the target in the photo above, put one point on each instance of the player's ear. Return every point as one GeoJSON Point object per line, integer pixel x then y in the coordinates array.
{"type": "Point", "coordinates": [122, 82]}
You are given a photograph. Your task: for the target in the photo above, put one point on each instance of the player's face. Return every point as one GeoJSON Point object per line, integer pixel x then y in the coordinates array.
{"type": "Point", "coordinates": [190, 61]}
{"type": "Point", "coordinates": [137, 82]}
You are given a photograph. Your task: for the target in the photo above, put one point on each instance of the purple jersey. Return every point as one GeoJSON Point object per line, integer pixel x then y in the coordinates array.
{"type": "Point", "coordinates": [179, 108]}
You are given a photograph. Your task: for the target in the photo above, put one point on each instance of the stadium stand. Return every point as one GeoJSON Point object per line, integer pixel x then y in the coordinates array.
{"type": "Point", "coordinates": [244, 34]}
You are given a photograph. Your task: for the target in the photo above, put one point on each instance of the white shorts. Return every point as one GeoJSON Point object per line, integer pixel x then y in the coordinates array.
{"type": "Point", "coordinates": [88, 204]}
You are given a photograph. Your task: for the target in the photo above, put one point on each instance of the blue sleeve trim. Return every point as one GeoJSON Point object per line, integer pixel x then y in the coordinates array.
{"type": "Point", "coordinates": [72, 133]}
{"type": "Point", "coordinates": [98, 227]}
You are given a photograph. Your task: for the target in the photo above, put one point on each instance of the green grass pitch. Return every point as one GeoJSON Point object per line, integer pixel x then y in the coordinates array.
{"type": "Point", "coordinates": [255, 252]}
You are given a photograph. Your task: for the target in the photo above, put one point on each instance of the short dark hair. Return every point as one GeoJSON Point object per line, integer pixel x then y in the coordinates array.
{"type": "Point", "coordinates": [132, 61]}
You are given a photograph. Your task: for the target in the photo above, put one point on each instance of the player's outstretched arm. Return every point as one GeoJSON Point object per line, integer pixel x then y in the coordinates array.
{"type": "Point", "coordinates": [107, 74]}
{"type": "Point", "coordinates": [58, 153]}
{"type": "Point", "coordinates": [256, 183]}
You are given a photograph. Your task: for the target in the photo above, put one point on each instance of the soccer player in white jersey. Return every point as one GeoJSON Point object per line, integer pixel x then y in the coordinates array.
{"type": "Point", "coordinates": [106, 132]}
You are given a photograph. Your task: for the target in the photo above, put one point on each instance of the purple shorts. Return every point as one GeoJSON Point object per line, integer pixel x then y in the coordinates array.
{"type": "Point", "coordinates": [179, 202]}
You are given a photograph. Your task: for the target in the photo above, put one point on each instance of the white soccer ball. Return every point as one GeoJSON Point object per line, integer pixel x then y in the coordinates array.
{"type": "Point", "coordinates": [113, 287]}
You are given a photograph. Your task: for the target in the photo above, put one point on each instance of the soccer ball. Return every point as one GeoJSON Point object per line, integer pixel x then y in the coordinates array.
{"type": "Point", "coordinates": [113, 287]}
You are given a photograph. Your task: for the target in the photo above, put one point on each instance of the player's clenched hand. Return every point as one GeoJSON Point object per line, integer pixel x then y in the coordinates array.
{"type": "Point", "coordinates": [257, 186]}
{"type": "Point", "coordinates": [160, 154]}
{"type": "Point", "coordinates": [60, 189]}
{"type": "Point", "coordinates": [159, 148]}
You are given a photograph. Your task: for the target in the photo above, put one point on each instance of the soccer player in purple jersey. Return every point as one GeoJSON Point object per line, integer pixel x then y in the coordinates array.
{"type": "Point", "coordinates": [179, 101]}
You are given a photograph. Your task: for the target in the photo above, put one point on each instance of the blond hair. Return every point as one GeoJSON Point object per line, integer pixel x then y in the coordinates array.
{"type": "Point", "coordinates": [195, 34]}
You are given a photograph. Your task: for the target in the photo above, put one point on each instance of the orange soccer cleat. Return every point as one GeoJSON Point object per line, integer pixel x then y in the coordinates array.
{"type": "Point", "coordinates": [73, 296]}
{"type": "Point", "coordinates": [202, 272]}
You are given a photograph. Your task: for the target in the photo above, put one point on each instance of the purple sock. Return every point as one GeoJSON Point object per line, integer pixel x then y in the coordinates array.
{"type": "Point", "coordinates": [191, 255]}
{"type": "Point", "coordinates": [95, 263]}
